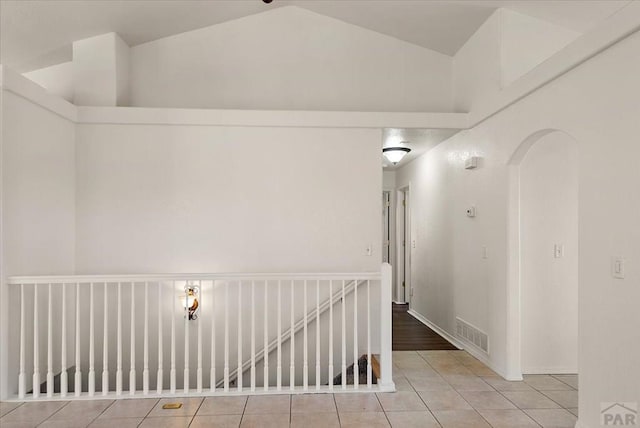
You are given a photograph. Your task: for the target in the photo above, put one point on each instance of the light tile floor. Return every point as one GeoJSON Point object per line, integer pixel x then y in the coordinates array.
{"type": "Point", "coordinates": [448, 389]}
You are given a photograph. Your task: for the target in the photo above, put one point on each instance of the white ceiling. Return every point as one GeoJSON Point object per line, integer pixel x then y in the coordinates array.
{"type": "Point", "coordinates": [35, 34]}
{"type": "Point", "coordinates": [419, 141]}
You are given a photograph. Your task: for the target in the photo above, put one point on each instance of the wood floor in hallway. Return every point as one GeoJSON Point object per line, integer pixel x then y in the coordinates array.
{"type": "Point", "coordinates": [409, 334]}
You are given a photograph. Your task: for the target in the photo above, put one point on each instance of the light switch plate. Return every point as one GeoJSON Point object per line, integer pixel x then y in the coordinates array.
{"type": "Point", "coordinates": [617, 267]}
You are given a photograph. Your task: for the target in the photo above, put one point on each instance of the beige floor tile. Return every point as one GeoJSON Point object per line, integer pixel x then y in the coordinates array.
{"type": "Point", "coordinates": [138, 408]}
{"type": "Point", "coordinates": [546, 383]}
{"type": "Point", "coordinates": [422, 419]}
{"type": "Point", "coordinates": [487, 400]}
{"type": "Point", "coordinates": [482, 371]}
{"type": "Point", "coordinates": [430, 384]}
{"type": "Point", "coordinates": [313, 403]}
{"type": "Point", "coordinates": [571, 380]}
{"type": "Point", "coordinates": [553, 418]}
{"type": "Point", "coordinates": [280, 420]}
{"type": "Point", "coordinates": [166, 422]}
{"type": "Point", "coordinates": [400, 401]}
{"type": "Point", "coordinates": [357, 403]}
{"type": "Point", "coordinates": [467, 383]}
{"type": "Point", "coordinates": [116, 422]}
{"type": "Point", "coordinates": [444, 400]}
{"type": "Point", "coordinates": [452, 369]}
{"type": "Point", "coordinates": [315, 420]}
{"type": "Point", "coordinates": [13, 424]}
{"type": "Point", "coordinates": [412, 364]}
{"type": "Point", "coordinates": [223, 406]}
{"type": "Point", "coordinates": [189, 407]}
{"type": "Point", "coordinates": [413, 373]}
{"type": "Point", "coordinates": [216, 421]}
{"type": "Point", "coordinates": [530, 400]}
{"type": "Point", "coordinates": [508, 418]}
{"type": "Point", "coordinates": [402, 383]}
{"type": "Point", "coordinates": [268, 404]}
{"type": "Point", "coordinates": [460, 419]}
{"type": "Point", "coordinates": [6, 407]}
{"type": "Point", "coordinates": [363, 420]}
{"type": "Point", "coordinates": [574, 411]}
{"type": "Point", "coordinates": [565, 399]}
{"type": "Point", "coordinates": [33, 413]}
{"type": "Point", "coordinates": [78, 422]}
{"type": "Point", "coordinates": [82, 409]}
{"type": "Point", "coordinates": [505, 385]}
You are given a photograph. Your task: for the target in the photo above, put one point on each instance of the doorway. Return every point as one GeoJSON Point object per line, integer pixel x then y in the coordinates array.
{"type": "Point", "coordinates": [403, 234]}
{"type": "Point", "coordinates": [543, 291]}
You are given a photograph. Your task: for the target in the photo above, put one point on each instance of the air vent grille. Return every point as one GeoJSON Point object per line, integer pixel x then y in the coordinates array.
{"type": "Point", "coordinates": [472, 335]}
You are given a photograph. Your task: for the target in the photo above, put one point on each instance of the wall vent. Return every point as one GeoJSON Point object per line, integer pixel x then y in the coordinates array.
{"type": "Point", "coordinates": [472, 335]}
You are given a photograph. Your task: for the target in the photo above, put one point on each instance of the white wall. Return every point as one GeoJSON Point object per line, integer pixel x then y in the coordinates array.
{"type": "Point", "coordinates": [507, 46]}
{"type": "Point", "coordinates": [57, 79]}
{"type": "Point", "coordinates": [476, 65]}
{"type": "Point", "coordinates": [154, 198]}
{"type": "Point", "coordinates": [549, 284]}
{"type": "Point", "coordinates": [286, 59]}
{"type": "Point", "coordinates": [38, 202]}
{"type": "Point", "coordinates": [451, 277]}
{"type": "Point", "coordinates": [526, 41]}
{"type": "Point", "coordinates": [101, 71]}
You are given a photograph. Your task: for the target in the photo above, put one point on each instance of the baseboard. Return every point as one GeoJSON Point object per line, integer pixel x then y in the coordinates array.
{"type": "Point", "coordinates": [580, 424]}
{"type": "Point", "coordinates": [455, 342]}
{"type": "Point", "coordinates": [449, 338]}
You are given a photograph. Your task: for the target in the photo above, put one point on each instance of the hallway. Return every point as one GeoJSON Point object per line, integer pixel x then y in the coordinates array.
{"type": "Point", "coordinates": [409, 334]}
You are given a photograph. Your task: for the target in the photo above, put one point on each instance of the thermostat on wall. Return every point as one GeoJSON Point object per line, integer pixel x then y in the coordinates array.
{"type": "Point", "coordinates": [471, 211]}
{"type": "Point", "coordinates": [471, 163]}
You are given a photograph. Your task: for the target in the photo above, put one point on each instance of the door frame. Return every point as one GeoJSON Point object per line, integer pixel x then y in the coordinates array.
{"type": "Point", "coordinates": [403, 244]}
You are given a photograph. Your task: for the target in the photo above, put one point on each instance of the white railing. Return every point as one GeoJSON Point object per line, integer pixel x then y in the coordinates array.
{"type": "Point", "coordinates": [239, 331]}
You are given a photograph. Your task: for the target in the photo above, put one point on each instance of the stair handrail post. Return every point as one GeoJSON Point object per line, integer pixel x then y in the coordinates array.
{"type": "Point", "coordinates": [386, 377]}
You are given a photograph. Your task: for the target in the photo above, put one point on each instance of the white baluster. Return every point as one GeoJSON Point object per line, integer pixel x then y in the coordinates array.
{"type": "Point", "coordinates": [369, 377]}
{"type": "Point", "coordinates": [119, 344]}
{"type": "Point", "coordinates": [50, 346]}
{"type": "Point", "coordinates": [185, 376]}
{"type": "Point", "coordinates": [132, 361]}
{"type": "Point", "coordinates": [78, 375]}
{"type": "Point", "coordinates": [92, 370]}
{"type": "Point", "coordinates": [330, 335]}
{"type": "Point", "coordinates": [172, 370]}
{"type": "Point", "coordinates": [253, 335]}
{"type": "Point", "coordinates": [239, 371]}
{"type": "Point", "coordinates": [344, 338]}
{"type": "Point", "coordinates": [22, 383]}
{"type": "Point", "coordinates": [318, 373]}
{"type": "Point", "coordinates": [199, 368]}
{"type": "Point", "coordinates": [160, 374]}
{"type": "Point", "coordinates": [356, 368]}
{"type": "Point", "coordinates": [105, 342]}
{"type": "Point", "coordinates": [292, 344]}
{"type": "Point", "coordinates": [36, 345]}
{"type": "Point", "coordinates": [212, 372]}
{"type": "Point", "coordinates": [226, 337]}
{"type": "Point", "coordinates": [386, 362]}
{"type": "Point", "coordinates": [279, 368]}
{"type": "Point", "coordinates": [305, 342]}
{"type": "Point", "coordinates": [145, 367]}
{"type": "Point", "coordinates": [64, 377]}
{"type": "Point", "coordinates": [265, 347]}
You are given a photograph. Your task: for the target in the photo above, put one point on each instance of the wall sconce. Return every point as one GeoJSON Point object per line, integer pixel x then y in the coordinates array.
{"type": "Point", "coordinates": [190, 301]}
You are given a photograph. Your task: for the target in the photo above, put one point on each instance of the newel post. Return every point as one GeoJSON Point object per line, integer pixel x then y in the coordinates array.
{"type": "Point", "coordinates": [386, 380]}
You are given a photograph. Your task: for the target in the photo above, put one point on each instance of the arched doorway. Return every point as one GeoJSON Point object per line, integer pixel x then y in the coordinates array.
{"type": "Point", "coordinates": [543, 247]}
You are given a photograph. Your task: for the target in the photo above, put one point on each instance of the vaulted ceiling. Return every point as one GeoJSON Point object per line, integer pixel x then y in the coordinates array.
{"type": "Point", "coordinates": [35, 34]}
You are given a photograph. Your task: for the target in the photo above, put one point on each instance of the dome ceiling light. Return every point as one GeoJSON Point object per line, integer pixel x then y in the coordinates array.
{"type": "Point", "coordinates": [395, 154]}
